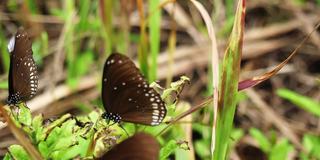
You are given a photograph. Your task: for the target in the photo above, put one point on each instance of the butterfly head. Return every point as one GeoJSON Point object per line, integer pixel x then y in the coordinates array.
{"type": "Point", "coordinates": [111, 116]}
{"type": "Point", "coordinates": [14, 98]}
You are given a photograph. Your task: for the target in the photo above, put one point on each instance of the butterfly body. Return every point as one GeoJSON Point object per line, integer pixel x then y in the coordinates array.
{"type": "Point", "coordinates": [23, 77]}
{"type": "Point", "coordinates": [126, 95]}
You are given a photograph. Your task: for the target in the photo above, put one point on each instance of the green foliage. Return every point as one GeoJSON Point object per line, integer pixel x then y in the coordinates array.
{"type": "Point", "coordinates": [32, 6]}
{"type": "Point", "coordinates": [17, 152]}
{"type": "Point", "coordinates": [40, 48]}
{"type": "Point", "coordinates": [280, 150]}
{"type": "Point", "coordinates": [262, 140]}
{"type": "Point", "coordinates": [311, 143]}
{"type": "Point", "coordinates": [168, 149]}
{"type": "Point", "coordinates": [24, 115]}
{"type": "Point", "coordinates": [85, 136]}
{"type": "Point", "coordinates": [154, 27]}
{"type": "Point", "coordinates": [80, 67]}
{"type": "Point", "coordinates": [236, 135]}
{"type": "Point", "coordinates": [228, 91]}
{"type": "Point", "coordinates": [64, 138]}
{"type": "Point", "coordinates": [276, 149]}
{"type": "Point", "coordinates": [202, 145]}
{"type": "Point", "coordinates": [301, 101]}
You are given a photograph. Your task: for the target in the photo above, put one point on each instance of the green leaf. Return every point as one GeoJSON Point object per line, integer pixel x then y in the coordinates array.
{"type": "Point", "coordinates": [202, 148]}
{"type": "Point", "coordinates": [281, 150]}
{"type": "Point", "coordinates": [262, 140]}
{"type": "Point", "coordinates": [301, 101]}
{"type": "Point", "coordinates": [7, 156]}
{"type": "Point", "coordinates": [44, 149]}
{"type": "Point", "coordinates": [37, 122]}
{"type": "Point", "coordinates": [229, 85]}
{"type": "Point", "coordinates": [75, 150]}
{"type": "Point", "coordinates": [24, 115]}
{"type": "Point", "coordinates": [17, 152]}
{"type": "Point", "coordinates": [84, 11]}
{"type": "Point", "coordinates": [64, 142]}
{"type": "Point", "coordinates": [168, 149]}
{"type": "Point", "coordinates": [236, 134]}
{"type": "Point", "coordinates": [65, 137]}
{"type": "Point", "coordinates": [312, 145]}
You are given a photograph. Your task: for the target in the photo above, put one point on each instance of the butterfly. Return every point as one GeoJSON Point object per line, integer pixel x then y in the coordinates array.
{"type": "Point", "coordinates": [127, 96]}
{"type": "Point", "coordinates": [23, 76]}
{"type": "Point", "coordinates": [140, 146]}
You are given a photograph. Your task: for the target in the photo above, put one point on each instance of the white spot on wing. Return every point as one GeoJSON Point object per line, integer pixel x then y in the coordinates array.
{"type": "Point", "coordinates": [154, 123]}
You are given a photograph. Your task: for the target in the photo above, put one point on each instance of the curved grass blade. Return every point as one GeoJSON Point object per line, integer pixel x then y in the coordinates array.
{"type": "Point", "coordinates": [259, 79]}
{"type": "Point", "coordinates": [229, 84]}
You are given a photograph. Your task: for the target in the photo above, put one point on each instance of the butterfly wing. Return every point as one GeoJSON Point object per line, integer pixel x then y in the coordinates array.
{"type": "Point", "coordinates": [141, 146]}
{"type": "Point", "coordinates": [127, 93]}
{"type": "Point", "coordinates": [23, 77]}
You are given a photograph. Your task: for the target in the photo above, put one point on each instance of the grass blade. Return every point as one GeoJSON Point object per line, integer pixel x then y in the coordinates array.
{"type": "Point", "coordinates": [229, 85]}
{"type": "Point", "coordinates": [214, 65]}
{"type": "Point", "coordinates": [154, 27]}
{"type": "Point", "coordinates": [301, 101]}
{"type": "Point", "coordinates": [143, 45]}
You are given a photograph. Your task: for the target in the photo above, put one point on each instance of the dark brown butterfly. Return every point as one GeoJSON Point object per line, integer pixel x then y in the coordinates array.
{"type": "Point", "coordinates": [126, 95]}
{"type": "Point", "coordinates": [23, 77]}
{"type": "Point", "coordinates": [141, 146]}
